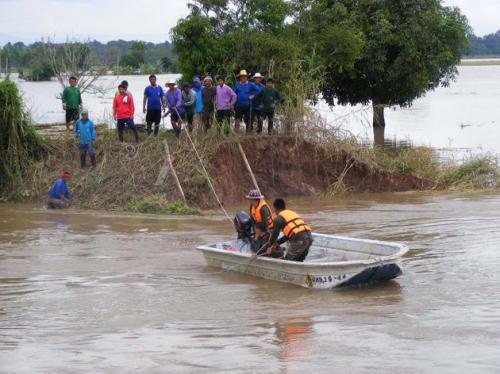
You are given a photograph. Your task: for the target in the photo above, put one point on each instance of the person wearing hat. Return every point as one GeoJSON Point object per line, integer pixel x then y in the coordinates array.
{"type": "Point", "coordinates": [58, 197]}
{"type": "Point", "coordinates": [189, 102]}
{"type": "Point", "coordinates": [85, 132]}
{"type": "Point", "coordinates": [245, 93]}
{"type": "Point", "coordinates": [260, 210]}
{"type": "Point", "coordinates": [295, 231]}
{"type": "Point", "coordinates": [208, 96]}
{"type": "Point", "coordinates": [154, 97]}
{"type": "Point", "coordinates": [175, 106]}
{"type": "Point", "coordinates": [256, 112]}
{"type": "Point", "coordinates": [197, 88]}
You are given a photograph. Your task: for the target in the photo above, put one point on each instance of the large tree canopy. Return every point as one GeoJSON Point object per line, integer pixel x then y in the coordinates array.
{"type": "Point", "coordinates": [384, 52]}
{"type": "Point", "coordinates": [402, 49]}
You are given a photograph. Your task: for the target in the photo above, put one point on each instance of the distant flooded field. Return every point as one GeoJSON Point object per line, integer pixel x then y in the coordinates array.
{"type": "Point", "coordinates": [464, 116]}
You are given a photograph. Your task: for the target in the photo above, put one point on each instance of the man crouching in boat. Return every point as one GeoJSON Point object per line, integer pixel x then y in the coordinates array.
{"type": "Point", "coordinates": [295, 231]}
{"type": "Point", "coordinates": [260, 242]}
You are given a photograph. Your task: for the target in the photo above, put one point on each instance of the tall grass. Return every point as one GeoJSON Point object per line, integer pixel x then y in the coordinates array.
{"type": "Point", "coordinates": [19, 142]}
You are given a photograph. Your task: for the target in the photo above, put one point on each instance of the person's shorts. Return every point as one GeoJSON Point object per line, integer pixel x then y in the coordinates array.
{"type": "Point", "coordinates": [129, 122]}
{"type": "Point", "coordinates": [72, 115]}
{"type": "Point", "coordinates": [87, 148]}
{"type": "Point", "coordinates": [153, 116]}
{"type": "Point", "coordinates": [242, 111]}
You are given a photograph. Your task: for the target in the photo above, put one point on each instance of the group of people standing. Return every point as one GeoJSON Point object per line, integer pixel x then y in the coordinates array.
{"type": "Point", "coordinates": [202, 102]}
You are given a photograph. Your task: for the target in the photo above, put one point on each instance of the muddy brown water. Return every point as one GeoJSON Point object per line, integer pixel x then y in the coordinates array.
{"type": "Point", "coordinates": [116, 293]}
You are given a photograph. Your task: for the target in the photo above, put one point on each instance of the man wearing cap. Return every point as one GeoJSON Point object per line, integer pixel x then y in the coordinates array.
{"type": "Point", "coordinates": [153, 96]}
{"type": "Point", "coordinates": [85, 132]}
{"type": "Point", "coordinates": [245, 92]}
{"type": "Point", "coordinates": [197, 88]}
{"type": "Point", "coordinates": [260, 210]}
{"type": "Point", "coordinates": [295, 231]}
{"type": "Point", "coordinates": [175, 106]}
{"type": "Point", "coordinates": [189, 102]}
{"type": "Point", "coordinates": [58, 197]}
{"type": "Point", "coordinates": [72, 103]}
{"type": "Point", "coordinates": [256, 112]}
{"type": "Point", "coordinates": [208, 95]}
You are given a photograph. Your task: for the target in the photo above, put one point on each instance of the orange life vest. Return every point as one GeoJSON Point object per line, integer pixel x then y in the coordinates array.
{"type": "Point", "coordinates": [257, 217]}
{"type": "Point", "coordinates": [293, 223]}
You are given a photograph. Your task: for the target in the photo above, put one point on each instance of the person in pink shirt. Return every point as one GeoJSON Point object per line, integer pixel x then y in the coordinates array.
{"type": "Point", "coordinates": [123, 113]}
{"type": "Point", "coordinates": [226, 98]}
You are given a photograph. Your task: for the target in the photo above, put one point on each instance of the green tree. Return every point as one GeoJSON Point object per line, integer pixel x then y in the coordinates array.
{"type": "Point", "coordinates": [136, 54]}
{"type": "Point", "coordinates": [400, 50]}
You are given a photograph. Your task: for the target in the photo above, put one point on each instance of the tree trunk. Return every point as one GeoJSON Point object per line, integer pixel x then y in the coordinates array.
{"type": "Point", "coordinates": [378, 123]}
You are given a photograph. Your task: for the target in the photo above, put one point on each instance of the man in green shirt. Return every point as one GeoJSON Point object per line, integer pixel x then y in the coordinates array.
{"type": "Point", "coordinates": [72, 103]}
{"type": "Point", "coordinates": [267, 99]}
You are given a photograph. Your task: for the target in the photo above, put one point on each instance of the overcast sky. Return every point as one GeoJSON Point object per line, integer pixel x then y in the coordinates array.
{"type": "Point", "coordinates": [149, 20]}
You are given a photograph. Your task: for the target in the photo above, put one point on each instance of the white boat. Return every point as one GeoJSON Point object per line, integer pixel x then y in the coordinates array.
{"type": "Point", "coordinates": [333, 261]}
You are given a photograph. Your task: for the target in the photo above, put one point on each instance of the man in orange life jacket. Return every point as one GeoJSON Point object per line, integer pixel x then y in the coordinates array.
{"type": "Point", "coordinates": [260, 211]}
{"type": "Point", "coordinates": [295, 231]}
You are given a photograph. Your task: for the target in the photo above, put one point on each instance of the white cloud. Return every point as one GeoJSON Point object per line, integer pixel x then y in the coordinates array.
{"type": "Point", "coordinates": [104, 20]}
{"type": "Point", "coordinates": [150, 20]}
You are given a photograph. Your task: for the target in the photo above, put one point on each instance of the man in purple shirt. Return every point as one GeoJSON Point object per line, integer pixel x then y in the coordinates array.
{"type": "Point", "coordinates": [175, 106]}
{"type": "Point", "coordinates": [226, 98]}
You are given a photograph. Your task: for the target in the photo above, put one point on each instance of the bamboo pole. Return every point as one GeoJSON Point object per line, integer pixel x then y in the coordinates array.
{"type": "Point", "coordinates": [249, 168]}
{"type": "Point", "coordinates": [169, 159]}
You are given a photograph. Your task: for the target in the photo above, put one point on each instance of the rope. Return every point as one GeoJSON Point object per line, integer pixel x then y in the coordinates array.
{"type": "Point", "coordinates": [206, 172]}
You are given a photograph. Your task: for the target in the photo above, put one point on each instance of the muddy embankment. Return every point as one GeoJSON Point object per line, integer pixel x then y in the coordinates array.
{"type": "Point", "coordinates": [294, 167]}
{"type": "Point", "coordinates": [126, 175]}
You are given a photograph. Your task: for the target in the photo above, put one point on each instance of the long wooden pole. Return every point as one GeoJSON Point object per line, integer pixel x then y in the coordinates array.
{"type": "Point", "coordinates": [247, 164]}
{"type": "Point", "coordinates": [179, 187]}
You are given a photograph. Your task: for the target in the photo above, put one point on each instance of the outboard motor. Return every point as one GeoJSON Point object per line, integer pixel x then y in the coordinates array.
{"type": "Point", "coordinates": [243, 226]}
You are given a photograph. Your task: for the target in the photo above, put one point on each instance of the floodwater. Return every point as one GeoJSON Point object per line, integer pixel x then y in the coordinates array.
{"type": "Point", "coordinates": [464, 117]}
{"type": "Point", "coordinates": [116, 293]}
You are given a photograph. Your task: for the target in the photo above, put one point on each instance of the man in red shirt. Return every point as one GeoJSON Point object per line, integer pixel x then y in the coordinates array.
{"type": "Point", "coordinates": [123, 112]}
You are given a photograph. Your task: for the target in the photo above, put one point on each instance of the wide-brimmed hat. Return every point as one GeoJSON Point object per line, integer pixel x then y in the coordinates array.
{"type": "Point", "coordinates": [243, 73]}
{"type": "Point", "coordinates": [258, 75]}
{"type": "Point", "coordinates": [208, 78]}
{"type": "Point", "coordinates": [254, 195]}
{"type": "Point", "coordinates": [170, 81]}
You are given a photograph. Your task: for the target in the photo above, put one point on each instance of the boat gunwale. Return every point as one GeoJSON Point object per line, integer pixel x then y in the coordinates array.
{"type": "Point", "coordinates": [402, 250]}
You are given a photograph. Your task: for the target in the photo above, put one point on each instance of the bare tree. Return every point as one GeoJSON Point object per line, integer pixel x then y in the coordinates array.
{"type": "Point", "coordinates": [74, 58]}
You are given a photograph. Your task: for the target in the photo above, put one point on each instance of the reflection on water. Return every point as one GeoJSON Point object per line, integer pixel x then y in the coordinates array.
{"type": "Point", "coordinates": [103, 292]}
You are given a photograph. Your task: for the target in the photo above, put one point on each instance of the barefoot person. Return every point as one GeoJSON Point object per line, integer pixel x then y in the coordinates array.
{"type": "Point", "coordinates": [85, 132]}
{"type": "Point", "coordinates": [153, 96]}
{"type": "Point", "coordinates": [123, 113]}
{"type": "Point", "coordinates": [296, 232]}
{"type": "Point", "coordinates": [58, 197]}
{"type": "Point", "coordinates": [72, 103]}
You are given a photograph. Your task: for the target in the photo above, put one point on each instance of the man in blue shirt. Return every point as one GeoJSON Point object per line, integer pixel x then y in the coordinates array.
{"type": "Point", "coordinates": [245, 91]}
{"type": "Point", "coordinates": [85, 132]}
{"type": "Point", "coordinates": [59, 195]}
{"type": "Point", "coordinates": [153, 96]}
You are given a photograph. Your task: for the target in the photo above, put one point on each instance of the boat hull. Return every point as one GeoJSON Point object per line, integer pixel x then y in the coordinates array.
{"type": "Point", "coordinates": [329, 275]}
